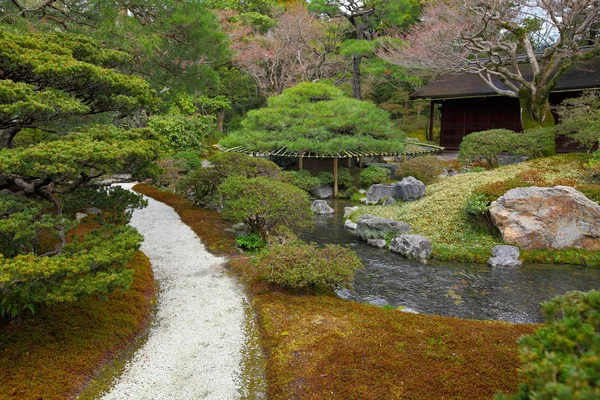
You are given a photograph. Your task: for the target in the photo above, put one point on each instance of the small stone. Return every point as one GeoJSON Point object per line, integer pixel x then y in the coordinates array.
{"type": "Point", "coordinates": [506, 251]}
{"type": "Point", "coordinates": [350, 210]}
{"type": "Point", "coordinates": [408, 310]}
{"type": "Point", "coordinates": [379, 243]}
{"type": "Point", "coordinates": [241, 227]}
{"type": "Point", "coordinates": [362, 191]}
{"type": "Point", "coordinates": [93, 211]}
{"type": "Point", "coordinates": [412, 246]}
{"type": "Point", "coordinates": [230, 230]}
{"type": "Point", "coordinates": [378, 301]}
{"type": "Point", "coordinates": [321, 207]}
{"type": "Point", "coordinates": [389, 201]}
{"type": "Point", "coordinates": [79, 216]}
{"type": "Point", "coordinates": [504, 262]}
{"type": "Point", "coordinates": [349, 224]}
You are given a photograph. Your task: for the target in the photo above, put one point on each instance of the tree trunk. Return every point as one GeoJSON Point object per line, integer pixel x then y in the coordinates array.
{"type": "Point", "coordinates": [535, 110]}
{"type": "Point", "coordinates": [220, 119]}
{"type": "Point", "coordinates": [356, 76]}
{"type": "Point", "coordinates": [7, 136]}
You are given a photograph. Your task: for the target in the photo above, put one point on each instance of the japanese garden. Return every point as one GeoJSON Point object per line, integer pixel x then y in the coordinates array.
{"type": "Point", "coordinates": [271, 199]}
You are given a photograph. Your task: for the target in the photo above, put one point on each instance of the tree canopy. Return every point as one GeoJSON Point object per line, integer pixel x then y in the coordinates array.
{"type": "Point", "coordinates": [318, 118]}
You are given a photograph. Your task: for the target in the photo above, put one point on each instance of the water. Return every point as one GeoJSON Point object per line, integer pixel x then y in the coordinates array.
{"type": "Point", "coordinates": [451, 289]}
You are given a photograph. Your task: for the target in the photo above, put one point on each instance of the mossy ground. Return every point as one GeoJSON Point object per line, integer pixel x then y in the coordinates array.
{"type": "Point", "coordinates": [440, 215]}
{"type": "Point", "coordinates": [324, 347]}
{"type": "Point", "coordinates": [52, 354]}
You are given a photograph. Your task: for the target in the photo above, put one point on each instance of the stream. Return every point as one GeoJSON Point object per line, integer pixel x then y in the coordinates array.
{"type": "Point", "coordinates": [463, 290]}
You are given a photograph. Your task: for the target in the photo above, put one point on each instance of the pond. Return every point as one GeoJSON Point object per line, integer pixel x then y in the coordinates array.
{"type": "Point", "coordinates": [473, 291]}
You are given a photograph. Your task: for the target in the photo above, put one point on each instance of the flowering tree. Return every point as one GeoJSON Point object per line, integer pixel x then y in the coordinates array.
{"type": "Point", "coordinates": [498, 39]}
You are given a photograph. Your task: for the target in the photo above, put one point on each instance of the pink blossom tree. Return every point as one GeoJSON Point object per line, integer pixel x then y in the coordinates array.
{"type": "Point", "coordinates": [527, 45]}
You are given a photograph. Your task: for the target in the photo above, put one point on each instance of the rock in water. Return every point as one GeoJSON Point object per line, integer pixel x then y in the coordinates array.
{"type": "Point", "coordinates": [537, 218]}
{"type": "Point", "coordinates": [371, 227]}
{"type": "Point", "coordinates": [409, 189]}
{"type": "Point", "coordinates": [412, 246]}
{"type": "Point", "coordinates": [379, 243]}
{"type": "Point", "coordinates": [349, 224]}
{"type": "Point", "coordinates": [349, 210]}
{"type": "Point", "coordinates": [321, 207]}
{"type": "Point", "coordinates": [505, 257]}
{"type": "Point", "coordinates": [322, 192]}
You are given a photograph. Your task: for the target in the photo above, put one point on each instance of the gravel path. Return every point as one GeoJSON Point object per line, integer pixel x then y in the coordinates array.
{"type": "Point", "coordinates": [195, 345]}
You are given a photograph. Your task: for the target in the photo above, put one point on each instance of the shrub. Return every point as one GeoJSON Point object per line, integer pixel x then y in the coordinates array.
{"type": "Point", "coordinates": [298, 265]}
{"type": "Point", "coordinates": [424, 168]}
{"type": "Point", "coordinates": [251, 242]}
{"type": "Point", "coordinates": [190, 158]}
{"type": "Point", "coordinates": [488, 145]}
{"type": "Point", "coordinates": [580, 119]}
{"type": "Point", "coordinates": [264, 203]}
{"type": "Point", "coordinates": [373, 175]}
{"type": "Point", "coordinates": [183, 133]}
{"type": "Point", "coordinates": [491, 191]}
{"type": "Point", "coordinates": [171, 172]}
{"type": "Point", "coordinates": [301, 179]}
{"type": "Point", "coordinates": [326, 178]}
{"type": "Point", "coordinates": [478, 208]}
{"type": "Point", "coordinates": [560, 361]}
{"type": "Point", "coordinates": [117, 204]}
{"type": "Point", "coordinates": [345, 178]}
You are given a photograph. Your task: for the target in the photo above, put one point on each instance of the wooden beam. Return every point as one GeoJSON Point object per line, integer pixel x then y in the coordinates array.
{"type": "Point", "coordinates": [300, 156]}
{"type": "Point", "coordinates": [360, 162]}
{"type": "Point", "coordinates": [335, 177]}
{"type": "Point", "coordinates": [431, 116]}
{"type": "Point", "coordinates": [349, 162]}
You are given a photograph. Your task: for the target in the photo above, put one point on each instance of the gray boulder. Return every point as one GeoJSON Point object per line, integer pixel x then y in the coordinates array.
{"type": "Point", "coordinates": [379, 243]}
{"type": "Point", "coordinates": [412, 246]}
{"type": "Point", "coordinates": [93, 211]}
{"type": "Point", "coordinates": [409, 189]}
{"type": "Point", "coordinates": [79, 216]}
{"type": "Point", "coordinates": [389, 201]}
{"type": "Point", "coordinates": [350, 210]}
{"type": "Point", "coordinates": [536, 218]}
{"type": "Point", "coordinates": [505, 257]}
{"type": "Point", "coordinates": [322, 192]}
{"type": "Point", "coordinates": [321, 207]}
{"type": "Point", "coordinates": [371, 227]}
{"type": "Point", "coordinates": [380, 191]}
{"type": "Point", "coordinates": [349, 224]}
{"type": "Point", "coordinates": [241, 227]}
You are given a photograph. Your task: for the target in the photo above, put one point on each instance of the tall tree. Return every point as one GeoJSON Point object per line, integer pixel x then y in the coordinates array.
{"type": "Point", "coordinates": [501, 41]}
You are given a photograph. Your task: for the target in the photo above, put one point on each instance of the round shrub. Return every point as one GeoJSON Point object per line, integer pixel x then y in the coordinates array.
{"type": "Point", "coordinates": [298, 265]}
{"type": "Point", "coordinates": [326, 178]}
{"type": "Point", "coordinates": [345, 178]}
{"type": "Point", "coordinates": [373, 175]}
{"type": "Point", "coordinates": [301, 179]}
{"type": "Point", "coordinates": [560, 360]}
{"type": "Point", "coordinates": [424, 168]}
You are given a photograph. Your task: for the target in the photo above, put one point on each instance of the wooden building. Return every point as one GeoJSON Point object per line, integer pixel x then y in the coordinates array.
{"type": "Point", "coordinates": [468, 104]}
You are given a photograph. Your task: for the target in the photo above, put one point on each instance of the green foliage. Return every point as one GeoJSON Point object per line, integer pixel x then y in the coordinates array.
{"type": "Point", "coordinates": [580, 119]}
{"type": "Point", "coordinates": [252, 242]}
{"type": "Point", "coordinates": [424, 168]}
{"type": "Point", "coordinates": [298, 265]}
{"type": "Point", "coordinates": [317, 117]}
{"type": "Point", "coordinates": [205, 181]}
{"type": "Point", "coordinates": [372, 175]}
{"type": "Point", "coordinates": [92, 265]}
{"type": "Point", "coordinates": [191, 159]}
{"type": "Point", "coordinates": [264, 203]}
{"type": "Point", "coordinates": [115, 203]}
{"type": "Point", "coordinates": [183, 133]}
{"type": "Point", "coordinates": [488, 145]}
{"type": "Point", "coordinates": [560, 361]}
{"type": "Point", "coordinates": [325, 178]}
{"type": "Point", "coordinates": [301, 179]}
{"type": "Point", "coordinates": [478, 208]}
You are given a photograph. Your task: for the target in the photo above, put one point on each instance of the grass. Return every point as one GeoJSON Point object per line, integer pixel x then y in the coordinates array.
{"type": "Point", "coordinates": [324, 347]}
{"type": "Point", "coordinates": [53, 354]}
{"type": "Point", "coordinates": [440, 215]}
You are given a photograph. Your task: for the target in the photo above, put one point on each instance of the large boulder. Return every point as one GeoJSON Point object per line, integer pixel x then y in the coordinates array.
{"type": "Point", "coordinates": [504, 256]}
{"type": "Point", "coordinates": [322, 191]}
{"type": "Point", "coordinates": [321, 207]}
{"type": "Point", "coordinates": [412, 246]}
{"type": "Point", "coordinates": [380, 191]}
{"type": "Point", "coordinates": [409, 189]}
{"type": "Point", "coordinates": [536, 218]}
{"type": "Point", "coordinates": [371, 227]}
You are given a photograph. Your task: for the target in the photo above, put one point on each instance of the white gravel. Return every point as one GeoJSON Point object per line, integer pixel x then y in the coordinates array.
{"type": "Point", "coordinates": [194, 347]}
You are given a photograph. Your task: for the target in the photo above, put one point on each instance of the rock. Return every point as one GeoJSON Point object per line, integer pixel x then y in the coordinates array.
{"type": "Point", "coordinates": [362, 191]}
{"type": "Point", "coordinates": [412, 246]}
{"type": "Point", "coordinates": [349, 224]}
{"type": "Point", "coordinates": [93, 211]}
{"type": "Point", "coordinates": [370, 227]}
{"type": "Point", "coordinates": [321, 207]}
{"type": "Point", "coordinates": [379, 243]}
{"type": "Point", "coordinates": [536, 218]}
{"type": "Point", "coordinates": [241, 227]}
{"type": "Point", "coordinates": [408, 310]}
{"type": "Point", "coordinates": [366, 201]}
{"type": "Point", "coordinates": [322, 192]}
{"type": "Point", "coordinates": [79, 216]}
{"type": "Point", "coordinates": [409, 189]}
{"type": "Point", "coordinates": [378, 301]}
{"type": "Point", "coordinates": [389, 201]}
{"type": "Point", "coordinates": [350, 210]}
{"type": "Point", "coordinates": [505, 257]}
{"type": "Point", "coordinates": [230, 230]}
{"type": "Point", "coordinates": [380, 191]}
{"type": "Point", "coordinates": [5, 192]}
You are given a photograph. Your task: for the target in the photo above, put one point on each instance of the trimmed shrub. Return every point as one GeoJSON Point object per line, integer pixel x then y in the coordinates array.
{"type": "Point", "coordinates": [373, 175]}
{"type": "Point", "coordinates": [183, 133]}
{"type": "Point", "coordinates": [424, 168]}
{"type": "Point", "coordinates": [263, 203]}
{"type": "Point", "coordinates": [301, 179]}
{"type": "Point", "coordinates": [326, 178]}
{"type": "Point", "coordinates": [345, 178]}
{"type": "Point", "coordinates": [488, 145]}
{"type": "Point", "coordinates": [560, 361]}
{"type": "Point", "coordinates": [298, 265]}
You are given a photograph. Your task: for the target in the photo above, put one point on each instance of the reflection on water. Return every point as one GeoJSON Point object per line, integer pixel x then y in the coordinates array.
{"type": "Point", "coordinates": [451, 289]}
